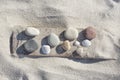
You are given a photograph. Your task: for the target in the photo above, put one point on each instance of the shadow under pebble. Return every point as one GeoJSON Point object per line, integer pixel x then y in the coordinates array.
{"type": "Point", "coordinates": [23, 36]}
{"type": "Point", "coordinates": [61, 36]}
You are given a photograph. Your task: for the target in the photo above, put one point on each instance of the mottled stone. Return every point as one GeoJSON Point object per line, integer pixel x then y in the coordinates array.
{"type": "Point", "coordinates": [76, 43]}
{"type": "Point", "coordinates": [90, 33]}
{"type": "Point", "coordinates": [86, 43]}
{"type": "Point", "coordinates": [31, 46]}
{"type": "Point", "coordinates": [53, 40]}
{"type": "Point", "coordinates": [31, 31]}
{"type": "Point", "coordinates": [71, 33]}
{"type": "Point", "coordinates": [46, 49]}
{"type": "Point", "coordinates": [66, 45]}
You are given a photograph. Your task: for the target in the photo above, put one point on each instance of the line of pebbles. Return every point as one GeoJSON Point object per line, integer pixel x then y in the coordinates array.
{"type": "Point", "coordinates": [53, 40]}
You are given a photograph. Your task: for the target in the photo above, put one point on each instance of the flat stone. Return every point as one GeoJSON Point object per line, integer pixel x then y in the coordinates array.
{"type": "Point", "coordinates": [46, 49]}
{"type": "Point", "coordinates": [66, 45]}
{"type": "Point", "coordinates": [86, 43]}
{"type": "Point", "coordinates": [71, 33]}
{"type": "Point", "coordinates": [90, 33]}
{"type": "Point", "coordinates": [31, 31]}
{"type": "Point", "coordinates": [76, 43]}
{"type": "Point", "coordinates": [31, 46]}
{"type": "Point", "coordinates": [81, 53]}
{"type": "Point", "coordinates": [53, 40]}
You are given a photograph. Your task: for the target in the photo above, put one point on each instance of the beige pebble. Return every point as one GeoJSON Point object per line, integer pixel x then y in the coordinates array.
{"type": "Point", "coordinates": [66, 45]}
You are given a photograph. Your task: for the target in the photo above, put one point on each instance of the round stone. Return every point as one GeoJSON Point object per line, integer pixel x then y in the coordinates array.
{"type": "Point", "coordinates": [71, 33]}
{"type": "Point", "coordinates": [66, 45]}
{"type": "Point", "coordinates": [31, 31]}
{"type": "Point", "coordinates": [53, 40]}
{"type": "Point", "coordinates": [90, 33]}
{"type": "Point", "coordinates": [46, 49]}
{"type": "Point", "coordinates": [76, 43]}
{"type": "Point", "coordinates": [86, 43]}
{"type": "Point", "coordinates": [31, 46]}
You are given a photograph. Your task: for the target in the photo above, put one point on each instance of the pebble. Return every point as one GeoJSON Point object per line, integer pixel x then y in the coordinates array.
{"type": "Point", "coordinates": [31, 31]}
{"type": "Point", "coordinates": [53, 40]}
{"type": "Point", "coordinates": [31, 46]}
{"type": "Point", "coordinates": [80, 52]}
{"type": "Point", "coordinates": [86, 43]}
{"type": "Point", "coordinates": [66, 45]}
{"type": "Point", "coordinates": [46, 49]}
{"type": "Point", "coordinates": [76, 43]}
{"type": "Point", "coordinates": [71, 33]}
{"type": "Point", "coordinates": [90, 33]}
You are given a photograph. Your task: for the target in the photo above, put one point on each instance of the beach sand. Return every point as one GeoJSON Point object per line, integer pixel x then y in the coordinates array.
{"type": "Point", "coordinates": [101, 14]}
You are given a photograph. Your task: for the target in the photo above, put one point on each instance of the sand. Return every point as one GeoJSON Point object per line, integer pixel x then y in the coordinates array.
{"type": "Point", "coordinates": [102, 14]}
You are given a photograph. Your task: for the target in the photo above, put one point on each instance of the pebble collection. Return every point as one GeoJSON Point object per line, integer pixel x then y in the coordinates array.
{"type": "Point", "coordinates": [71, 34]}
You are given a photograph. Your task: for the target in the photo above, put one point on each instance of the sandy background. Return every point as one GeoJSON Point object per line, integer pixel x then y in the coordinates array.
{"type": "Point", "coordinates": [103, 14]}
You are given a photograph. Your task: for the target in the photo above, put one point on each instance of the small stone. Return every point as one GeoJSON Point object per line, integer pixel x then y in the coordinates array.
{"type": "Point", "coordinates": [76, 43]}
{"type": "Point", "coordinates": [46, 49]}
{"type": "Point", "coordinates": [81, 53]}
{"type": "Point", "coordinates": [90, 33]}
{"type": "Point", "coordinates": [86, 43]}
{"type": "Point", "coordinates": [66, 45]}
{"type": "Point", "coordinates": [31, 31]}
{"type": "Point", "coordinates": [71, 33]}
{"type": "Point", "coordinates": [31, 46]}
{"type": "Point", "coordinates": [53, 40]}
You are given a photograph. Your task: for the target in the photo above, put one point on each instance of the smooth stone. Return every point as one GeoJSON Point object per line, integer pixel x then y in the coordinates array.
{"type": "Point", "coordinates": [46, 49]}
{"type": "Point", "coordinates": [86, 43]}
{"type": "Point", "coordinates": [90, 33]}
{"type": "Point", "coordinates": [53, 40]}
{"type": "Point", "coordinates": [71, 33]}
{"type": "Point", "coordinates": [31, 31]}
{"type": "Point", "coordinates": [81, 53]}
{"type": "Point", "coordinates": [31, 46]}
{"type": "Point", "coordinates": [76, 43]}
{"type": "Point", "coordinates": [66, 45]}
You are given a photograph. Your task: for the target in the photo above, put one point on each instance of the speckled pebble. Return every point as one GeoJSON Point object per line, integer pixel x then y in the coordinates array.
{"type": "Point", "coordinates": [53, 40]}
{"type": "Point", "coordinates": [31, 46]}
{"type": "Point", "coordinates": [86, 43]}
{"type": "Point", "coordinates": [66, 45]}
{"type": "Point", "coordinates": [46, 49]}
{"type": "Point", "coordinates": [71, 33]}
{"type": "Point", "coordinates": [90, 33]}
{"type": "Point", "coordinates": [31, 31]}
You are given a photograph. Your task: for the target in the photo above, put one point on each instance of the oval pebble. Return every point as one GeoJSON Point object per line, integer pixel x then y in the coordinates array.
{"type": "Point", "coordinates": [90, 33]}
{"type": "Point", "coordinates": [31, 31]}
{"type": "Point", "coordinates": [53, 40]}
{"type": "Point", "coordinates": [31, 46]}
{"type": "Point", "coordinates": [86, 43]}
{"type": "Point", "coordinates": [76, 43]}
{"type": "Point", "coordinates": [71, 33]}
{"type": "Point", "coordinates": [46, 49]}
{"type": "Point", "coordinates": [66, 45]}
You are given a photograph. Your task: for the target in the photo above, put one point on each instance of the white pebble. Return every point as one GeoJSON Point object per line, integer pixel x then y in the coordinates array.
{"type": "Point", "coordinates": [46, 49]}
{"type": "Point", "coordinates": [71, 33]}
{"type": "Point", "coordinates": [86, 43]}
{"type": "Point", "coordinates": [31, 31]}
{"type": "Point", "coordinates": [77, 43]}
